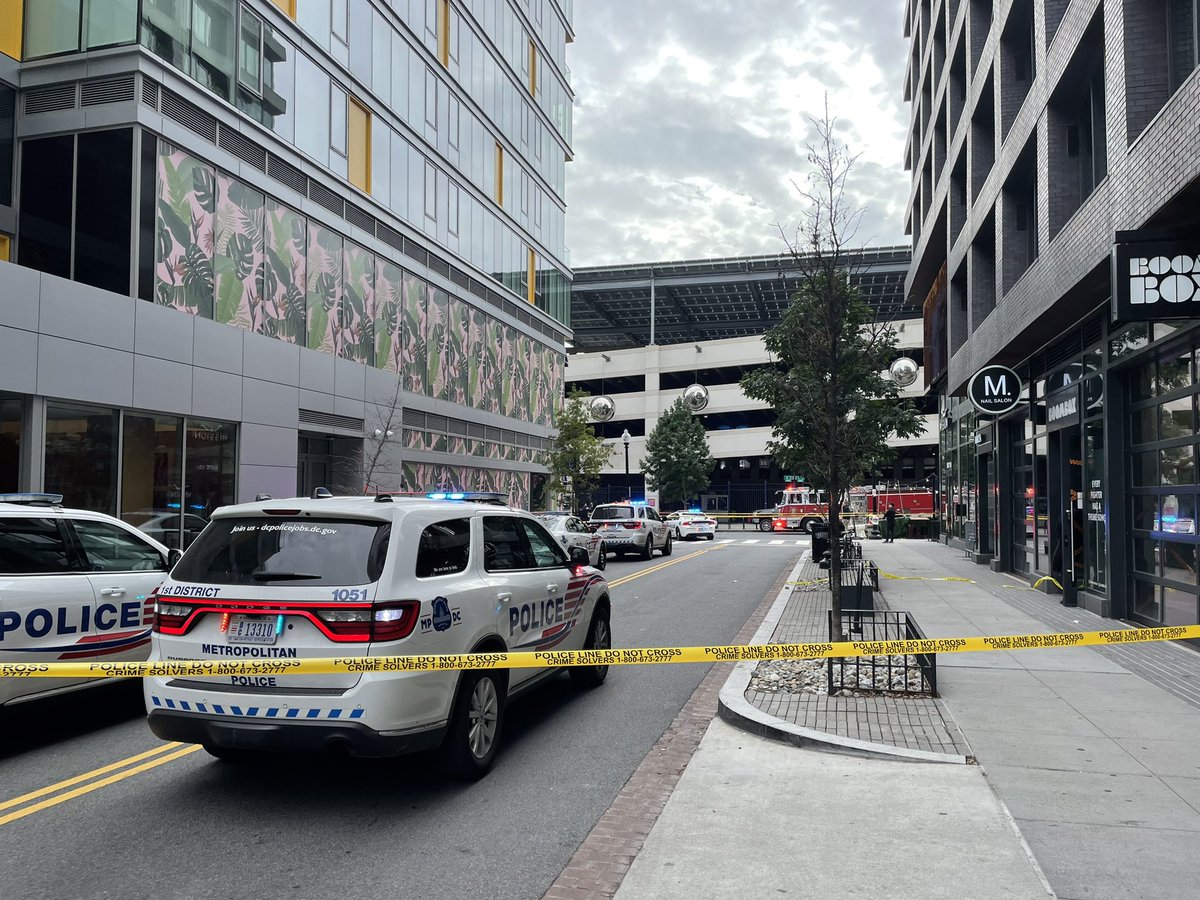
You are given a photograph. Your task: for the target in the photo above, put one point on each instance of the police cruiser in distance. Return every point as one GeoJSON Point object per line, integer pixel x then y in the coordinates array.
{"type": "Point", "coordinates": [389, 575]}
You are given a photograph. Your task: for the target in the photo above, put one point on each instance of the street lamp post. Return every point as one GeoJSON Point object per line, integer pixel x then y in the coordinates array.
{"type": "Point", "coordinates": [625, 436]}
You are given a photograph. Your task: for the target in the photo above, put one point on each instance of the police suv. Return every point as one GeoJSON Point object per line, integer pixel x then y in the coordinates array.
{"type": "Point", "coordinates": [388, 575]}
{"type": "Point", "coordinates": [75, 586]}
{"type": "Point", "coordinates": [631, 528]}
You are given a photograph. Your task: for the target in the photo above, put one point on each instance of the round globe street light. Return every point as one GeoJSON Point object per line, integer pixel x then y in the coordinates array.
{"type": "Point", "coordinates": [602, 408]}
{"type": "Point", "coordinates": [625, 436]}
{"type": "Point", "coordinates": [695, 397]}
{"type": "Point", "coordinates": [903, 371]}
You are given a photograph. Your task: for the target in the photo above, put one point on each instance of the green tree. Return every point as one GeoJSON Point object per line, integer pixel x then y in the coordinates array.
{"type": "Point", "coordinates": [677, 463]}
{"type": "Point", "coordinates": [576, 454]}
{"type": "Point", "coordinates": [835, 406]}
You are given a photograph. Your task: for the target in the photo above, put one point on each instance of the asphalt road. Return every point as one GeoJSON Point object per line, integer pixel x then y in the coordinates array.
{"type": "Point", "coordinates": [178, 824]}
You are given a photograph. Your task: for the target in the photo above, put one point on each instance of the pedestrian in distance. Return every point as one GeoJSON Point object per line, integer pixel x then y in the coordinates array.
{"type": "Point", "coordinates": [889, 519]}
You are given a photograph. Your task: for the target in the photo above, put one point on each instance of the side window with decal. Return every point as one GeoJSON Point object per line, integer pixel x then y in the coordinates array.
{"type": "Point", "coordinates": [444, 548]}
{"type": "Point", "coordinates": [504, 545]}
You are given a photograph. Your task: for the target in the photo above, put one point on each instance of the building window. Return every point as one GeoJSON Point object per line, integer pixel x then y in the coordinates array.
{"type": "Point", "coordinates": [10, 443]}
{"type": "Point", "coordinates": [531, 277]}
{"type": "Point", "coordinates": [51, 28]}
{"type": "Point", "coordinates": [443, 32]}
{"type": "Point", "coordinates": [8, 126]}
{"type": "Point", "coordinates": [81, 456]}
{"type": "Point", "coordinates": [1181, 40]}
{"type": "Point", "coordinates": [499, 174]}
{"type": "Point", "coordinates": [532, 68]}
{"type": "Point", "coordinates": [359, 145]}
{"type": "Point", "coordinates": [45, 221]}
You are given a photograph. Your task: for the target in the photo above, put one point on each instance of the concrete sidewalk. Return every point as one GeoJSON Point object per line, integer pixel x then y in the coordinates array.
{"type": "Point", "coordinates": [1088, 783]}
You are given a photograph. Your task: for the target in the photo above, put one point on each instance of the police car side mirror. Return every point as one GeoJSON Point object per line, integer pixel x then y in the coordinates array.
{"type": "Point", "coordinates": [173, 556]}
{"type": "Point", "coordinates": [579, 556]}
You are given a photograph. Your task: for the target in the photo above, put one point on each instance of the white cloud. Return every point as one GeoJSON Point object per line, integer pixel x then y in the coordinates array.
{"type": "Point", "coordinates": [690, 122]}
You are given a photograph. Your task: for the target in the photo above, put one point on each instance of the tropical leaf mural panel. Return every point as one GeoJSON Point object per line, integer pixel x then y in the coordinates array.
{"type": "Point", "coordinates": [184, 222]}
{"type": "Point", "coordinates": [457, 342]}
{"type": "Point", "coordinates": [439, 339]}
{"type": "Point", "coordinates": [508, 371]}
{"type": "Point", "coordinates": [323, 297]}
{"type": "Point", "coordinates": [356, 313]}
{"type": "Point", "coordinates": [493, 367]}
{"type": "Point", "coordinates": [238, 260]}
{"type": "Point", "coordinates": [389, 315]}
{"type": "Point", "coordinates": [522, 375]}
{"type": "Point", "coordinates": [285, 275]}
{"type": "Point", "coordinates": [476, 352]}
{"type": "Point", "coordinates": [415, 334]}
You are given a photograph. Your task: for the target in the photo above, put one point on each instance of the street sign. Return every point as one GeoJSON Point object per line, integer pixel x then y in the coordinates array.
{"type": "Point", "coordinates": [994, 390]}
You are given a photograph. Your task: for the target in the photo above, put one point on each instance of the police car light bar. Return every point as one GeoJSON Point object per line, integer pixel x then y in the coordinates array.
{"type": "Point", "coordinates": [30, 499]}
{"type": "Point", "coordinates": [496, 497]}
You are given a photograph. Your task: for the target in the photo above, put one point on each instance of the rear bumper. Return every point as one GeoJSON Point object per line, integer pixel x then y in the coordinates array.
{"type": "Point", "coordinates": [289, 737]}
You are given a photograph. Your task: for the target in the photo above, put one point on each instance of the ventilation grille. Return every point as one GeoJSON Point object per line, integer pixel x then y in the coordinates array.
{"type": "Point", "coordinates": [476, 431]}
{"type": "Point", "coordinates": [50, 99]}
{"type": "Point", "coordinates": [149, 93]}
{"type": "Point", "coordinates": [415, 251]}
{"type": "Point", "coordinates": [414, 417]}
{"type": "Point", "coordinates": [459, 277]}
{"type": "Point", "coordinates": [189, 116]}
{"type": "Point", "coordinates": [243, 148]}
{"type": "Point", "coordinates": [326, 198]}
{"type": "Point", "coordinates": [360, 217]}
{"type": "Point", "coordinates": [106, 90]}
{"type": "Point", "coordinates": [439, 265]}
{"type": "Point", "coordinates": [1093, 330]}
{"type": "Point", "coordinates": [1064, 350]}
{"type": "Point", "coordinates": [435, 423]}
{"type": "Point", "coordinates": [329, 420]}
{"type": "Point", "coordinates": [287, 174]}
{"type": "Point", "coordinates": [389, 236]}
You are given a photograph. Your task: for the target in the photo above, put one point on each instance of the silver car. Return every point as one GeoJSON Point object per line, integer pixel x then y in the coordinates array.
{"type": "Point", "coordinates": [631, 528]}
{"type": "Point", "coordinates": [571, 531]}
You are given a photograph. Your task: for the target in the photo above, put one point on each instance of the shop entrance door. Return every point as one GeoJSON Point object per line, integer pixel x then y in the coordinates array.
{"type": "Point", "coordinates": [1066, 511]}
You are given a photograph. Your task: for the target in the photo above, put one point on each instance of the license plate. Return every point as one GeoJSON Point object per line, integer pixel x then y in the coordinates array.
{"type": "Point", "coordinates": [251, 629]}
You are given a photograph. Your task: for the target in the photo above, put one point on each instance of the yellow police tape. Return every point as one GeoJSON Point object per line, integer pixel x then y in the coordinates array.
{"type": "Point", "coordinates": [551, 659]}
{"type": "Point", "coordinates": [1045, 578]}
{"type": "Point", "coordinates": [924, 578]}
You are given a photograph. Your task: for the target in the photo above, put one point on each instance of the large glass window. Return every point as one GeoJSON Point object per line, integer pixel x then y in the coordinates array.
{"type": "Point", "coordinates": [104, 209]}
{"type": "Point", "coordinates": [81, 456]}
{"type": "Point", "coordinates": [210, 466]}
{"type": "Point", "coordinates": [45, 221]}
{"type": "Point", "coordinates": [213, 43]}
{"type": "Point", "coordinates": [10, 443]}
{"type": "Point", "coordinates": [8, 125]}
{"type": "Point", "coordinates": [109, 22]}
{"type": "Point", "coordinates": [51, 26]}
{"type": "Point", "coordinates": [166, 27]}
{"type": "Point", "coordinates": [152, 475]}
{"type": "Point", "coordinates": [1097, 511]}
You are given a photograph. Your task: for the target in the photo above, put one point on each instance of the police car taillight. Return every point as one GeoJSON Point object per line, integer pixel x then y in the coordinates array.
{"type": "Point", "coordinates": [347, 624]}
{"type": "Point", "coordinates": [394, 619]}
{"type": "Point", "coordinates": [632, 525]}
{"type": "Point", "coordinates": [170, 617]}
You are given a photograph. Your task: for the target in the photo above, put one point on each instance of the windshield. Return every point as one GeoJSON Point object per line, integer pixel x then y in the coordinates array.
{"type": "Point", "coordinates": [612, 512]}
{"type": "Point", "coordinates": [286, 551]}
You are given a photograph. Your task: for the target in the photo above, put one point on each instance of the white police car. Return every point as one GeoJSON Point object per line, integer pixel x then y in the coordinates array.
{"type": "Point", "coordinates": [75, 585]}
{"type": "Point", "coordinates": [631, 528]}
{"type": "Point", "coordinates": [368, 576]}
{"type": "Point", "coordinates": [692, 523]}
{"type": "Point", "coordinates": [571, 531]}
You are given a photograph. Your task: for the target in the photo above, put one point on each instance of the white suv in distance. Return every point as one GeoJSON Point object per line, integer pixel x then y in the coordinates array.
{"type": "Point", "coordinates": [75, 586]}
{"type": "Point", "coordinates": [692, 524]}
{"type": "Point", "coordinates": [368, 576]}
{"type": "Point", "coordinates": [631, 528]}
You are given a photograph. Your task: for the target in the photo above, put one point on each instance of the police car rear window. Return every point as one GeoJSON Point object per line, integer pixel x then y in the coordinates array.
{"type": "Point", "coordinates": [612, 512]}
{"type": "Point", "coordinates": [300, 552]}
{"type": "Point", "coordinates": [31, 546]}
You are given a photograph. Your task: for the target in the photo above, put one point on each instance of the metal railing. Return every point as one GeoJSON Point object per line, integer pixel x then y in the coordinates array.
{"type": "Point", "coordinates": [912, 674]}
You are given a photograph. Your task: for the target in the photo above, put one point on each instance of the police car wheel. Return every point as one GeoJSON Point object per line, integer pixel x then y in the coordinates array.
{"type": "Point", "coordinates": [602, 562]}
{"type": "Point", "coordinates": [599, 638]}
{"type": "Point", "coordinates": [666, 550]}
{"type": "Point", "coordinates": [648, 549]}
{"type": "Point", "coordinates": [766, 525]}
{"type": "Point", "coordinates": [474, 734]}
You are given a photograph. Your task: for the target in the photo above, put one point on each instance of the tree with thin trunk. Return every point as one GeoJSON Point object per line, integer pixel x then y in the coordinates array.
{"type": "Point", "coordinates": [834, 403]}
{"type": "Point", "coordinates": [677, 462]}
{"type": "Point", "coordinates": [577, 455]}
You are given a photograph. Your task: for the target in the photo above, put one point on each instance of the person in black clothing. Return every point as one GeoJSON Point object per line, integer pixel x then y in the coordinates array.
{"type": "Point", "coordinates": [889, 519]}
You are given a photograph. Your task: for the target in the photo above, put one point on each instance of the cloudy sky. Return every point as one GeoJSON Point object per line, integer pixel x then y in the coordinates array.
{"type": "Point", "coordinates": [690, 122]}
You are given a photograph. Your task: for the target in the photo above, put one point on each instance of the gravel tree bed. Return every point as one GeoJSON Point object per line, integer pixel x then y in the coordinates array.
{"type": "Point", "coordinates": [808, 676]}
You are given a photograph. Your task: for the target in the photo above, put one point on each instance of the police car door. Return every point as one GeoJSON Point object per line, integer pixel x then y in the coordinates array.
{"type": "Point", "coordinates": [126, 570]}
{"type": "Point", "coordinates": [46, 600]}
{"type": "Point", "coordinates": [528, 571]}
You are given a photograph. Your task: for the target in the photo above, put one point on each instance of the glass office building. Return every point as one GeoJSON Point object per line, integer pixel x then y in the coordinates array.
{"type": "Point", "coordinates": [270, 245]}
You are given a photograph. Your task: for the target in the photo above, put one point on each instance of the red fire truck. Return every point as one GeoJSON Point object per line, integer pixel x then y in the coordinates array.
{"type": "Point", "coordinates": [798, 507]}
{"type": "Point", "coordinates": [870, 502]}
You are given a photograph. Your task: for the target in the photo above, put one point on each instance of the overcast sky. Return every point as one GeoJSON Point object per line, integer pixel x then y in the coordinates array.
{"type": "Point", "coordinates": [690, 122]}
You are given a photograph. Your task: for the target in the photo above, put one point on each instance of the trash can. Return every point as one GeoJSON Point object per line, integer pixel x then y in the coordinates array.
{"type": "Point", "coordinates": [820, 541]}
{"type": "Point", "coordinates": [857, 591]}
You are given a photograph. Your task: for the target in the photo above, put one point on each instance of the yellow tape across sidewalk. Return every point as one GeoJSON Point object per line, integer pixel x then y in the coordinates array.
{"type": "Point", "coordinates": [551, 659]}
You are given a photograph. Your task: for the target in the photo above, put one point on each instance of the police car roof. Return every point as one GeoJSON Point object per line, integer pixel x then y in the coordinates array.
{"type": "Point", "coordinates": [381, 506]}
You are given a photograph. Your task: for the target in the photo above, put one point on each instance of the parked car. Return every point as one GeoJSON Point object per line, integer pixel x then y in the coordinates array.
{"type": "Point", "coordinates": [632, 528]}
{"type": "Point", "coordinates": [574, 532]}
{"type": "Point", "coordinates": [688, 524]}
{"type": "Point", "coordinates": [163, 525]}
{"type": "Point", "coordinates": [368, 576]}
{"type": "Point", "coordinates": [74, 585]}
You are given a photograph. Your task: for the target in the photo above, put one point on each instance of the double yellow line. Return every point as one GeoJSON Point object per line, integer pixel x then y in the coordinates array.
{"type": "Point", "coordinates": [52, 795]}
{"type": "Point", "coordinates": [61, 792]}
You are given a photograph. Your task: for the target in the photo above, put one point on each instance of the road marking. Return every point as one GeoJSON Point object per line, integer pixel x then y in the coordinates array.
{"type": "Point", "coordinates": [662, 565]}
{"type": "Point", "coordinates": [96, 785]}
{"type": "Point", "coordinates": [776, 542]}
{"type": "Point", "coordinates": [95, 773]}
{"type": "Point", "coordinates": [750, 542]}
{"type": "Point", "coordinates": [726, 540]}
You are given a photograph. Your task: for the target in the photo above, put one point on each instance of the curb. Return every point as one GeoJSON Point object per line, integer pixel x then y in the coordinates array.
{"type": "Point", "coordinates": [734, 709]}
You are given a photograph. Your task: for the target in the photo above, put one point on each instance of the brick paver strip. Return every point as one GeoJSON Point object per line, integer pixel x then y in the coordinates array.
{"type": "Point", "coordinates": [597, 868]}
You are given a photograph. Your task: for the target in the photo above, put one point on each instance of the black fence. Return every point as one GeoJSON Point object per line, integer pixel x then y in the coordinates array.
{"type": "Point", "coordinates": [914, 673]}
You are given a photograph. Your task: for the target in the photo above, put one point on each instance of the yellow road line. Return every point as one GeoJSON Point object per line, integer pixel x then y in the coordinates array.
{"type": "Point", "coordinates": [96, 785]}
{"type": "Point", "coordinates": [662, 565]}
{"type": "Point", "coordinates": [86, 776]}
